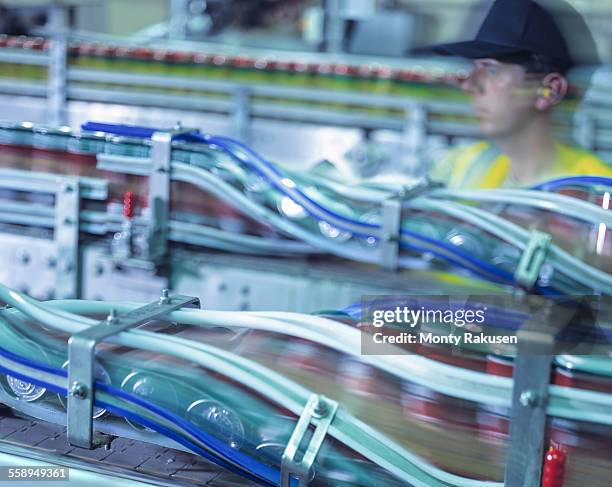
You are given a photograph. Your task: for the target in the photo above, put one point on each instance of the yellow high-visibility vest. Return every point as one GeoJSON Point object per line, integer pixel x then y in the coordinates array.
{"type": "Point", "coordinates": [483, 166]}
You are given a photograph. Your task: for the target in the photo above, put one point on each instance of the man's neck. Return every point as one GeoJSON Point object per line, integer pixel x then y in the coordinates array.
{"type": "Point", "coordinates": [531, 149]}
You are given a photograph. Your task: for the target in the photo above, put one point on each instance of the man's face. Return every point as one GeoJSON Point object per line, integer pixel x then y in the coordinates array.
{"type": "Point", "coordinates": [503, 96]}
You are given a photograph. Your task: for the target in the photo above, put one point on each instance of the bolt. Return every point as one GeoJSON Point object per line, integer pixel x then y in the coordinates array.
{"type": "Point", "coordinates": [78, 390]}
{"type": "Point", "coordinates": [320, 409]}
{"type": "Point", "coordinates": [67, 188]}
{"type": "Point", "coordinates": [24, 257]}
{"type": "Point", "coordinates": [67, 221]}
{"type": "Point", "coordinates": [528, 399]}
{"type": "Point", "coordinates": [52, 262]}
{"type": "Point", "coordinates": [165, 297]}
{"type": "Point", "coordinates": [112, 318]}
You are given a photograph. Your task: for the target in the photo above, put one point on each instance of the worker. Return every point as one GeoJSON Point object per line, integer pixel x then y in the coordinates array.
{"type": "Point", "coordinates": [520, 60]}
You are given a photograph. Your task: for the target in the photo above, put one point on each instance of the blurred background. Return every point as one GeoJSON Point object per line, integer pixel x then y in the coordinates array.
{"type": "Point", "coordinates": [302, 81]}
{"type": "Point", "coordinates": [313, 25]}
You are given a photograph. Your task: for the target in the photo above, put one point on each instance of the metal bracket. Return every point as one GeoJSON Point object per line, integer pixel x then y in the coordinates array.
{"type": "Point", "coordinates": [391, 222]}
{"type": "Point", "coordinates": [66, 236]}
{"type": "Point", "coordinates": [532, 369]}
{"type": "Point", "coordinates": [81, 360]}
{"type": "Point", "coordinates": [317, 408]}
{"type": "Point", "coordinates": [391, 219]}
{"type": "Point", "coordinates": [528, 269]}
{"type": "Point", "coordinates": [159, 192]}
{"type": "Point", "coordinates": [527, 430]}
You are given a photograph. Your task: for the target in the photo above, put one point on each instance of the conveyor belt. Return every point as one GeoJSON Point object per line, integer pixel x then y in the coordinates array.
{"type": "Point", "coordinates": [125, 457]}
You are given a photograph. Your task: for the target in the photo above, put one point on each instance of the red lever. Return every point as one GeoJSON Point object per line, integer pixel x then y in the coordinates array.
{"type": "Point", "coordinates": [553, 474]}
{"type": "Point", "coordinates": [128, 204]}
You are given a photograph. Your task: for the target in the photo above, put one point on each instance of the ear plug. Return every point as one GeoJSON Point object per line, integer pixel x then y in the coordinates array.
{"type": "Point", "coordinates": [545, 92]}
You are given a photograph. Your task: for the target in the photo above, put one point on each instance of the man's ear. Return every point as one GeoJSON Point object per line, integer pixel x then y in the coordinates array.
{"type": "Point", "coordinates": [553, 90]}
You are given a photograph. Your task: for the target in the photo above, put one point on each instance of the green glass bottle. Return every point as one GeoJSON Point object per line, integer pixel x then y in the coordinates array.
{"type": "Point", "coordinates": [243, 69]}
{"type": "Point", "coordinates": [35, 71]}
{"type": "Point", "coordinates": [15, 70]}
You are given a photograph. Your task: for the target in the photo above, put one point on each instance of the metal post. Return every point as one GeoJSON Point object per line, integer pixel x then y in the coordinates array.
{"type": "Point", "coordinates": [159, 195]}
{"type": "Point", "coordinates": [66, 236]}
{"type": "Point", "coordinates": [58, 62]}
{"type": "Point", "coordinates": [532, 368]}
{"type": "Point", "coordinates": [415, 134]}
{"type": "Point", "coordinates": [81, 360]}
{"type": "Point", "coordinates": [241, 116]}
{"type": "Point", "coordinates": [334, 26]}
{"type": "Point", "coordinates": [179, 15]}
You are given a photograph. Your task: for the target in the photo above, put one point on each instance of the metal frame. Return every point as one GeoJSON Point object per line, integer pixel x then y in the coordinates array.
{"type": "Point", "coordinates": [64, 219]}
{"type": "Point", "coordinates": [319, 409]}
{"type": "Point", "coordinates": [81, 361]}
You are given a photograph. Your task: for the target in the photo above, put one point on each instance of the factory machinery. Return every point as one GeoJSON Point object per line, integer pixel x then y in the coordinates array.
{"type": "Point", "coordinates": [276, 397]}
{"type": "Point", "coordinates": [123, 211]}
{"type": "Point", "coordinates": [296, 107]}
{"type": "Point", "coordinates": [288, 399]}
{"type": "Point", "coordinates": [115, 214]}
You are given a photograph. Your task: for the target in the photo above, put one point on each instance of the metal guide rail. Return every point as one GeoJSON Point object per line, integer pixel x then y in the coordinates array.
{"type": "Point", "coordinates": [225, 196]}
{"type": "Point", "coordinates": [232, 388]}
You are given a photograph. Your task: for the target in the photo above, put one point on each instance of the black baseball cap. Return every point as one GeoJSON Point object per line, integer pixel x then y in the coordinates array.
{"type": "Point", "coordinates": [515, 28]}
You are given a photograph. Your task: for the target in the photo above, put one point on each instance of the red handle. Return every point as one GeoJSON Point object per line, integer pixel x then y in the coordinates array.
{"type": "Point", "coordinates": [128, 204]}
{"type": "Point", "coordinates": [553, 474]}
